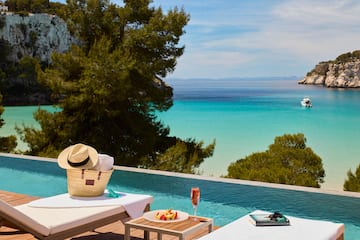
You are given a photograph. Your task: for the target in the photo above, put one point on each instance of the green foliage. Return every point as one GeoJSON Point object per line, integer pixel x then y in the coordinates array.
{"type": "Point", "coordinates": [352, 183]}
{"type": "Point", "coordinates": [349, 56]}
{"type": "Point", "coordinates": [5, 50]}
{"type": "Point", "coordinates": [7, 144]}
{"type": "Point", "coordinates": [42, 141]}
{"type": "Point", "coordinates": [185, 156]}
{"type": "Point", "coordinates": [33, 6]}
{"type": "Point", "coordinates": [23, 14]}
{"type": "Point", "coordinates": [23, 28]}
{"type": "Point", "coordinates": [27, 69]}
{"type": "Point", "coordinates": [26, 73]}
{"type": "Point", "coordinates": [39, 6]}
{"type": "Point", "coordinates": [109, 90]}
{"type": "Point", "coordinates": [20, 79]}
{"type": "Point", "coordinates": [2, 21]}
{"type": "Point", "coordinates": [33, 38]}
{"type": "Point", "coordinates": [287, 161]}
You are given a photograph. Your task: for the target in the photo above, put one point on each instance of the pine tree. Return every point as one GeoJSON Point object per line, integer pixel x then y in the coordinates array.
{"type": "Point", "coordinates": [287, 161]}
{"type": "Point", "coordinates": [352, 183]}
{"type": "Point", "coordinates": [7, 144]}
{"type": "Point", "coordinates": [109, 87]}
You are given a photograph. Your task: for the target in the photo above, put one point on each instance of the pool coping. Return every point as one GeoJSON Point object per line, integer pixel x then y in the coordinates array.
{"type": "Point", "coordinates": [207, 178]}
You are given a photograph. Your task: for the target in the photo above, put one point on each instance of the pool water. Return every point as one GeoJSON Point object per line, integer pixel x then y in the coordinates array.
{"type": "Point", "coordinates": [222, 201]}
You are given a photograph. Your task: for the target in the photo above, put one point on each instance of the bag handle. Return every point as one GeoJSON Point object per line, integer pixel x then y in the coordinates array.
{"type": "Point", "coordinates": [83, 174]}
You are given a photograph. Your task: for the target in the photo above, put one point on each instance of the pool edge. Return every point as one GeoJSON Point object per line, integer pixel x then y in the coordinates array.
{"type": "Point", "coordinates": [206, 178]}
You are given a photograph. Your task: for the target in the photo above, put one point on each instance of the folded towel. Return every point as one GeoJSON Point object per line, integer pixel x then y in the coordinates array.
{"type": "Point", "coordinates": [134, 204]}
{"type": "Point", "coordinates": [105, 163]}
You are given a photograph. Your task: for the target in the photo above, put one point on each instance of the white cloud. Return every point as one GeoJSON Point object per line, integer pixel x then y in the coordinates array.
{"type": "Point", "coordinates": [209, 64]}
{"type": "Point", "coordinates": [246, 37]}
{"type": "Point", "coordinates": [315, 29]}
{"type": "Point", "coordinates": [295, 33]}
{"type": "Point", "coordinates": [320, 13]}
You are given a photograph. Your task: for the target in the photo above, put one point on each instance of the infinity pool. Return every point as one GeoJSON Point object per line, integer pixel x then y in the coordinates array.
{"type": "Point", "coordinates": [222, 200]}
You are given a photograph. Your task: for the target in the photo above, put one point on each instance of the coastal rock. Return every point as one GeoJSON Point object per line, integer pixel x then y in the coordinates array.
{"type": "Point", "coordinates": [35, 35]}
{"type": "Point", "coordinates": [335, 74]}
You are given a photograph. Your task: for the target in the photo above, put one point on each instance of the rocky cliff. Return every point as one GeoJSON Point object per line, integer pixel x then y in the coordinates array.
{"type": "Point", "coordinates": [344, 72]}
{"type": "Point", "coordinates": [35, 35]}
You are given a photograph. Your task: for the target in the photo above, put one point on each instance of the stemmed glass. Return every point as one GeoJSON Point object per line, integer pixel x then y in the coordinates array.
{"type": "Point", "coordinates": [195, 198]}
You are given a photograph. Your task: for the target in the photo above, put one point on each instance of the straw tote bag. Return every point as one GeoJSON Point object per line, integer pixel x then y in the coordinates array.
{"type": "Point", "coordinates": [87, 183]}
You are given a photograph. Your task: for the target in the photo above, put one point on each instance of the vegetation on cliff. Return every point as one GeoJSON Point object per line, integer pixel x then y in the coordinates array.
{"type": "Point", "coordinates": [18, 76]}
{"type": "Point", "coordinates": [343, 72]}
{"type": "Point", "coordinates": [346, 57]}
{"type": "Point", "coordinates": [34, 6]}
{"type": "Point", "coordinates": [341, 59]}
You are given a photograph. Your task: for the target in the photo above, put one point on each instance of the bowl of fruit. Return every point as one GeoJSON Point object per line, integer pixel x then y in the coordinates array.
{"type": "Point", "coordinates": [168, 215]}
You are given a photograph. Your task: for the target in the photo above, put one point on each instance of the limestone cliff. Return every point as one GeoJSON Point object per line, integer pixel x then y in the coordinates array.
{"type": "Point", "coordinates": [344, 72]}
{"type": "Point", "coordinates": [36, 35]}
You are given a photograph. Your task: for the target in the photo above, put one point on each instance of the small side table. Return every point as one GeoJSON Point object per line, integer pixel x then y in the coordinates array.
{"type": "Point", "coordinates": [180, 229]}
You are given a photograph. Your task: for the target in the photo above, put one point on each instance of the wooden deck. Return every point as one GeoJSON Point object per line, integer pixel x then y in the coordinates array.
{"type": "Point", "coordinates": [114, 231]}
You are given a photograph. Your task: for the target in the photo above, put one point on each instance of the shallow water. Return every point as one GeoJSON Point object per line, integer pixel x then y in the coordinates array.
{"type": "Point", "coordinates": [244, 116]}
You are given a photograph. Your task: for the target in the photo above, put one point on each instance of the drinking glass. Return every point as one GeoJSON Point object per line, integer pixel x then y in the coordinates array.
{"type": "Point", "coordinates": [195, 198]}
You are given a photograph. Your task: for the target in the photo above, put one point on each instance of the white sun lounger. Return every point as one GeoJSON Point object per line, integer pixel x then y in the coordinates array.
{"type": "Point", "coordinates": [299, 228]}
{"type": "Point", "coordinates": [63, 222]}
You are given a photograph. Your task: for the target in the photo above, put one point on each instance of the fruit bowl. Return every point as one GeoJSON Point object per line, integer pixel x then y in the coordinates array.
{"type": "Point", "coordinates": [166, 216]}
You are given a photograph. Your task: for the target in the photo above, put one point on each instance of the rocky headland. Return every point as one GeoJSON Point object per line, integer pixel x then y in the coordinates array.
{"type": "Point", "coordinates": [35, 35]}
{"type": "Point", "coordinates": [29, 35]}
{"type": "Point", "coordinates": [343, 72]}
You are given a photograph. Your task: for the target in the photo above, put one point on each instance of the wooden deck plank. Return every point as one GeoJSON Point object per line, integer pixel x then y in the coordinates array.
{"type": "Point", "coordinates": [114, 231]}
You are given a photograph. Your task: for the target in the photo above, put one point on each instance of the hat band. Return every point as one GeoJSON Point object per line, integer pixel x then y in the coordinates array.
{"type": "Point", "coordinates": [79, 163]}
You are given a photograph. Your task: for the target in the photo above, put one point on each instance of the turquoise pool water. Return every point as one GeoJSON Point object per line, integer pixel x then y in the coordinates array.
{"type": "Point", "coordinates": [222, 201]}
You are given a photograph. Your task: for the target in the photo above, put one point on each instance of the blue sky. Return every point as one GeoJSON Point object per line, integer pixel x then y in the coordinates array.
{"type": "Point", "coordinates": [252, 38]}
{"type": "Point", "coordinates": [263, 38]}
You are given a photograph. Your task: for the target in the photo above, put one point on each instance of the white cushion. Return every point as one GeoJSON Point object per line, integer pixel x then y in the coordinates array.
{"type": "Point", "coordinates": [54, 220]}
{"type": "Point", "coordinates": [299, 228]}
{"type": "Point", "coordinates": [24, 218]}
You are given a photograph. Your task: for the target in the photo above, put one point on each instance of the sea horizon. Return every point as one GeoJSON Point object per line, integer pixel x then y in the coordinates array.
{"type": "Point", "coordinates": [244, 116]}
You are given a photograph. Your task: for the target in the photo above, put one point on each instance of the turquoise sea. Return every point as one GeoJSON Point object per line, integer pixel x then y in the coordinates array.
{"type": "Point", "coordinates": [245, 115]}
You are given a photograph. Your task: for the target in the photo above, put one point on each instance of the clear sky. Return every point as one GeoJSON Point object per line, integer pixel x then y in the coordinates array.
{"type": "Point", "coordinates": [252, 38]}
{"type": "Point", "coordinates": [263, 38]}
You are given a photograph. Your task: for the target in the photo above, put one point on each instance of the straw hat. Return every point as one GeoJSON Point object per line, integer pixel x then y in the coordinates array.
{"type": "Point", "coordinates": [78, 156]}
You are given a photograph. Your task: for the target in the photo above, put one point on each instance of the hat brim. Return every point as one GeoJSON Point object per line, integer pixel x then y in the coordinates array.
{"type": "Point", "coordinates": [63, 159]}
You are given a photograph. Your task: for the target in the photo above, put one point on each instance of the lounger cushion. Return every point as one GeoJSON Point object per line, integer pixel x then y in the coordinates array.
{"type": "Point", "coordinates": [53, 220]}
{"type": "Point", "coordinates": [14, 213]}
{"type": "Point", "coordinates": [299, 228]}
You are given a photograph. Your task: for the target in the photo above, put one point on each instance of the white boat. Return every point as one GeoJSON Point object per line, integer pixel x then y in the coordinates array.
{"type": "Point", "coordinates": [306, 102]}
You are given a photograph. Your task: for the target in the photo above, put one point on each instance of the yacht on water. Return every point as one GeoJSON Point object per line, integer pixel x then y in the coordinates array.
{"type": "Point", "coordinates": [306, 102]}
